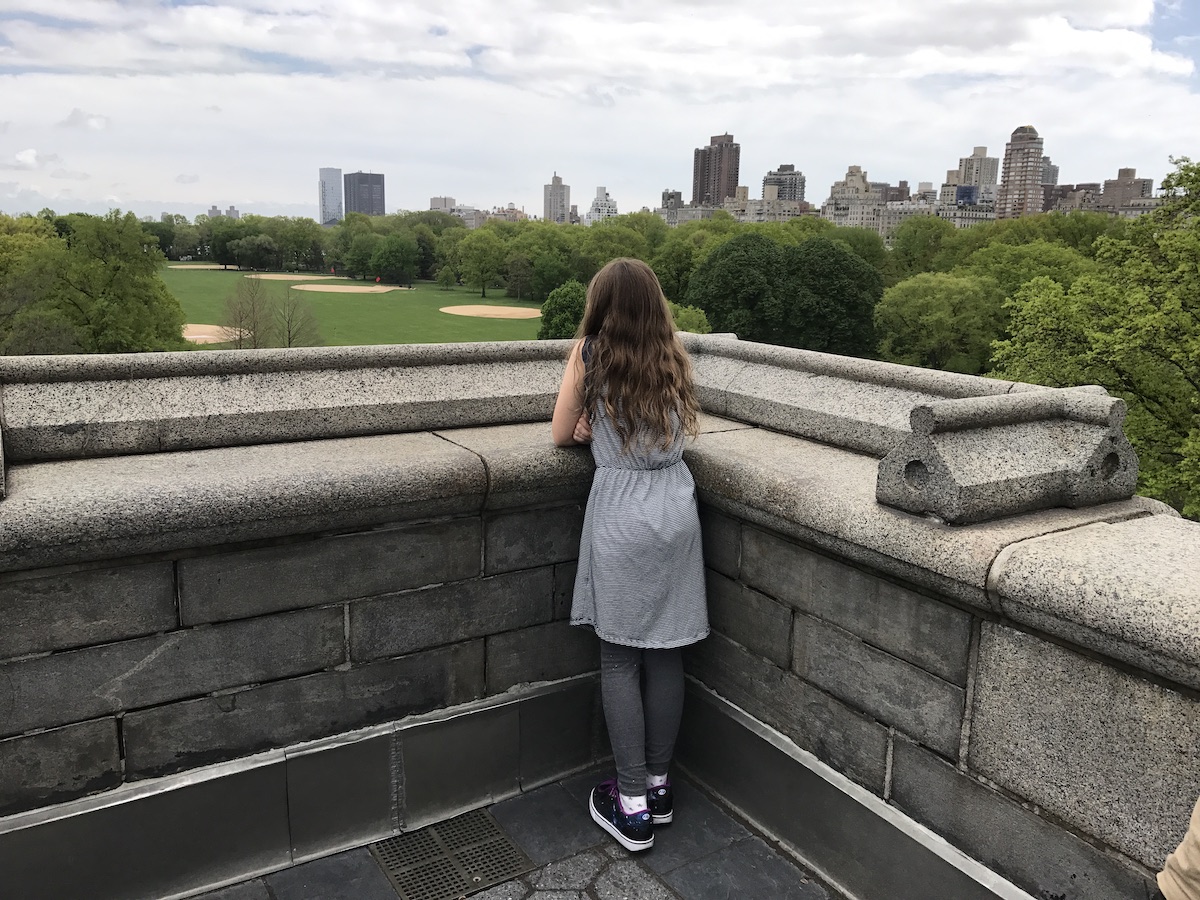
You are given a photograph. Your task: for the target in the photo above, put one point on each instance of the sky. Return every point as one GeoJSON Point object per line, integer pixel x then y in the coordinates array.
{"type": "Point", "coordinates": [174, 105]}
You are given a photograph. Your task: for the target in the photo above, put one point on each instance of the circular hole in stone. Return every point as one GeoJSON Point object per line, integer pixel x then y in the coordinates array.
{"type": "Point", "coordinates": [916, 475]}
{"type": "Point", "coordinates": [1110, 466]}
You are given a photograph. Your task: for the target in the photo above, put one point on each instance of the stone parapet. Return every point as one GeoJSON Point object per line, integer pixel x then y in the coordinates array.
{"type": "Point", "coordinates": [167, 609]}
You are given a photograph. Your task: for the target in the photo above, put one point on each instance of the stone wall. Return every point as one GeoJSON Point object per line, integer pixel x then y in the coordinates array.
{"type": "Point", "coordinates": [208, 556]}
{"type": "Point", "coordinates": [1065, 772]}
{"type": "Point", "coordinates": [130, 669]}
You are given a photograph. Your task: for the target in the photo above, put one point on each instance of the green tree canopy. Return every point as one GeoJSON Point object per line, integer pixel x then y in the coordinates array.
{"type": "Point", "coordinates": [563, 311]}
{"type": "Point", "coordinates": [1134, 327]}
{"type": "Point", "coordinates": [97, 290]}
{"type": "Point", "coordinates": [941, 321]}
{"type": "Point", "coordinates": [481, 258]}
{"type": "Point", "coordinates": [395, 259]}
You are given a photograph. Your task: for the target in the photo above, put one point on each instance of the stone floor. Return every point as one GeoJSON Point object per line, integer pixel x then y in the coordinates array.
{"type": "Point", "coordinates": [706, 854]}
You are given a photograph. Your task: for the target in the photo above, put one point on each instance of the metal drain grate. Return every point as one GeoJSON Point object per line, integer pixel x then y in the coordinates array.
{"type": "Point", "coordinates": [451, 859]}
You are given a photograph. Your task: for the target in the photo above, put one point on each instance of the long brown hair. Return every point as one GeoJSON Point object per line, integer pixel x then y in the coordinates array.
{"type": "Point", "coordinates": [636, 365]}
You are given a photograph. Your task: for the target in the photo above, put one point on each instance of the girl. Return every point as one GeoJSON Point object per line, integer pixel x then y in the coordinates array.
{"type": "Point", "coordinates": [628, 391]}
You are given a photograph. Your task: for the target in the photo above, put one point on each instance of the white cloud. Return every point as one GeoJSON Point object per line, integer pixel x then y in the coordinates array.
{"type": "Point", "coordinates": [483, 102]}
{"type": "Point", "coordinates": [29, 160]}
{"type": "Point", "coordinates": [67, 175]}
{"type": "Point", "coordinates": [77, 118]}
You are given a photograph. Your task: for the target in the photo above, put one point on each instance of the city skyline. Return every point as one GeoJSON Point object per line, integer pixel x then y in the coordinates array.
{"type": "Point", "coordinates": [164, 106]}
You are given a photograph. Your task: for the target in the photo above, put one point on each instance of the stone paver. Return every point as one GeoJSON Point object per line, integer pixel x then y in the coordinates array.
{"type": "Point", "coordinates": [704, 855]}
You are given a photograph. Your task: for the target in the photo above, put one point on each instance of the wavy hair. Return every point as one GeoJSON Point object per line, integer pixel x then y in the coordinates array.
{"type": "Point", "coordinates": [636, 366]}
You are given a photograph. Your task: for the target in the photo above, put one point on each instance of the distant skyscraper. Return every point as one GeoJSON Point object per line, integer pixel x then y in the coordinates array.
{"type": "Point", "coordinates": [364, 193]}
{"type": "Point", "coordinates": [603, 207]}
{"type": "Point", "coordinates": [1049, 171]}
{"type": "Point", "coordinates": [979, 170]}
{"type": "Point", "coordinates": [672, 199]}
{"type": "Point", "coordinates": [442, 204]}
{"type": "Point", "coordinates": [789, 182]}
{"type": "Point", "coordinates": [557, 205]}
{"type": "Point", "coordinates": [330, 196]}
{"type": "Point", "coordinates": [1020, 192]}
{"type": "Point", "coordinates": [715, 171]}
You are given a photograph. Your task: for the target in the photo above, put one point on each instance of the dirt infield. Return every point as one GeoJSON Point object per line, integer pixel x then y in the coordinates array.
{"type": "Point", "coordinates": [346, 288]}
{"type": "Point", "coordinates": [284, 276]}
{"type": "Point", "coordinates": [205, 334]}
{"type": "Point", "coordinates": [493, 312]}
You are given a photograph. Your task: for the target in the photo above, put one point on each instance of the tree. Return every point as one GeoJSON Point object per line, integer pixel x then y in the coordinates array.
{"type": "Point", "coordinates": [481, 258]}
{"type": "Point", "coordinates": [866, 243]}
{"type": "Point", "coordinates": [916, 243]}
{"type": "Point", "coordinates": [688, 318]}
{"type": "Point", "coordinates": [1133, 326]}
{"type": "Point", "coordinates": [737, 286]}
{"type": "Point", "coordinates": [446, 278]}
{"type": "Point", "coordinates": [941, 321]}
{"type": "Point", "coordinates": [828, 299]}
{"type": "Point", "coordinates": [249, 320]}
{"type": "Point", "coordinates": [603, 242]}
{"type": "Point", "coordinates": [519, 281]}
{"type": "Point", "coordinates": [1013, 265]}
{"type": "Point", "coordinates": [294, 323]}
{"type": "Point", "coordinates": [395, 259]}
{"type": "Point", "coordinates": [256, 251]}
{"type": "Point", "coordinates": [356, 261]}
{"type": "Point", "coordinates": [94, 290]}
{"type": "Point", "coordinates": [563, 311]}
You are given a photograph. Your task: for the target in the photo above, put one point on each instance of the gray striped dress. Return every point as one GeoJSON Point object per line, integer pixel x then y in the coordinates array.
{"type": "Point", "coordinates": [641, 571]}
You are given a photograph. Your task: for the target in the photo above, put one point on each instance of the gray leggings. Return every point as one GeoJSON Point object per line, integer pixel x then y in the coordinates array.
{"type": "Point", "coordinates": [642, 718]}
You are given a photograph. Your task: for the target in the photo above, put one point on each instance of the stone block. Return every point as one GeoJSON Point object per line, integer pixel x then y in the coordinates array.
{"type": "Point", "coordinates": [1126, 590]}
{"type": "Point", "coordinates": [889, 689]}
{"type": "Point", "coordinates": [925, 632]}
{"type": "Point", "coordinates": [531, 537]}
{"type": "Point", "coordinates": [415, 620]}
{"type": "Point", "coordinates": [847, 740]}
{"type": "Point", "coordinates": [135, 406]}
{"type": "Point", "coordinates": [59, 765]}
{"type": "Point", "coordinates": [824, 497]}
{"type": "Point", "coordinates": [752, 619]}
{"type": "Point", "coordinates": [980, 458]}
{"type": "Point", "coordinates": [81, 684]}
{"type": "Point", "coordinates": [722, 541]}
{"type": "Point", "coordinates": [542, 653]}
{"type": "Point", "coordinates": [564, 589]}
{"type": "Point", "coordinates": [80, 510]}
{"type": "Point", "coordinates": [94, 606]}
{"type": "Point", "coordinates": [1113, 755]}
{"type": "Point", "coordinates": [327, 570]}
{"type": "Point", "coordinates": [1038, 855]}
{"type": "Point", "coordinates": [213, 729]}
{"type": "Point", "coordinates": [524, 467]}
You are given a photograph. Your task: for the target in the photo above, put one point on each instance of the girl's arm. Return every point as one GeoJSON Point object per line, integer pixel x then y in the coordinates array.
{"type": "Point", "coordinates": [570, 423]}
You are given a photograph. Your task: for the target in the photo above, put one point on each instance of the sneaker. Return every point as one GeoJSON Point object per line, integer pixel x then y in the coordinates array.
{"type": "Point", "coordinates": [633, 831]}
{"type": "Point", "coordinates": [662, 803]}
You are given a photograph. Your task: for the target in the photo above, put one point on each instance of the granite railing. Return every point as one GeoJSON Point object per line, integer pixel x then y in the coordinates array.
{"type": "Point", "coordinates": [939, 586]}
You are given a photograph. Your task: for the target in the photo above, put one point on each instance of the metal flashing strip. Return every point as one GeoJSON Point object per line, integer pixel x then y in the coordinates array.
{"type": "Point", "coordinates": [998, 886]}
{"type": "Point", "coordinates": [451, 859]}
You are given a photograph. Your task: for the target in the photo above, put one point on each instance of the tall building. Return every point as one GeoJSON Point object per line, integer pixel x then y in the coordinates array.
{"type": "Point", "coordinates": [1125, 188]}
{"type": "Point", "coordinates": [441, 204]}
{"type": "Point", "coordinates": [1020, 191]}
{"type": "Point", "coordinates": [603, 207]}
{"type": "Point", "coordinates": [979, 170]}
{"type": "Point", "coordinates": [672, 199]}
{"type": "Point", "coordinates": [1049, 171]}
{"type": "Point", "coordinates": [364, 193]}
{"type": "Point", "coordinates": [715, 171]}
{"type": "Point", "coordinates": [329, 200]}
{"type": "Point", "coordinates": [557, 203]}
{"type": "Point", "coordinates": [789, 182]}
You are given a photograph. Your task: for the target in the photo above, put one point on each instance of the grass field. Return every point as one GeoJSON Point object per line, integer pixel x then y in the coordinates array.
{"type": "Point", "coordinates": [398, 317]}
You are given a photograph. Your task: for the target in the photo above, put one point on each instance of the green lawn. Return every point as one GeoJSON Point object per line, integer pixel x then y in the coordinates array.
{"type": "Point", "coordinates": [397, 317]}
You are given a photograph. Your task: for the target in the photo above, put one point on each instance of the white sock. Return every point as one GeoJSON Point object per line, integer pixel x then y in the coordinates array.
{"type": "Point", "coordinates": [633, 804]}
{"type": "Point", "coordinates": [655, 780]}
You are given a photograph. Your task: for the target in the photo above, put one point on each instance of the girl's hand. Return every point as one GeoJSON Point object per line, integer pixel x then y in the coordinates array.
{"type": "Point", "coordinates": [583, 429]}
